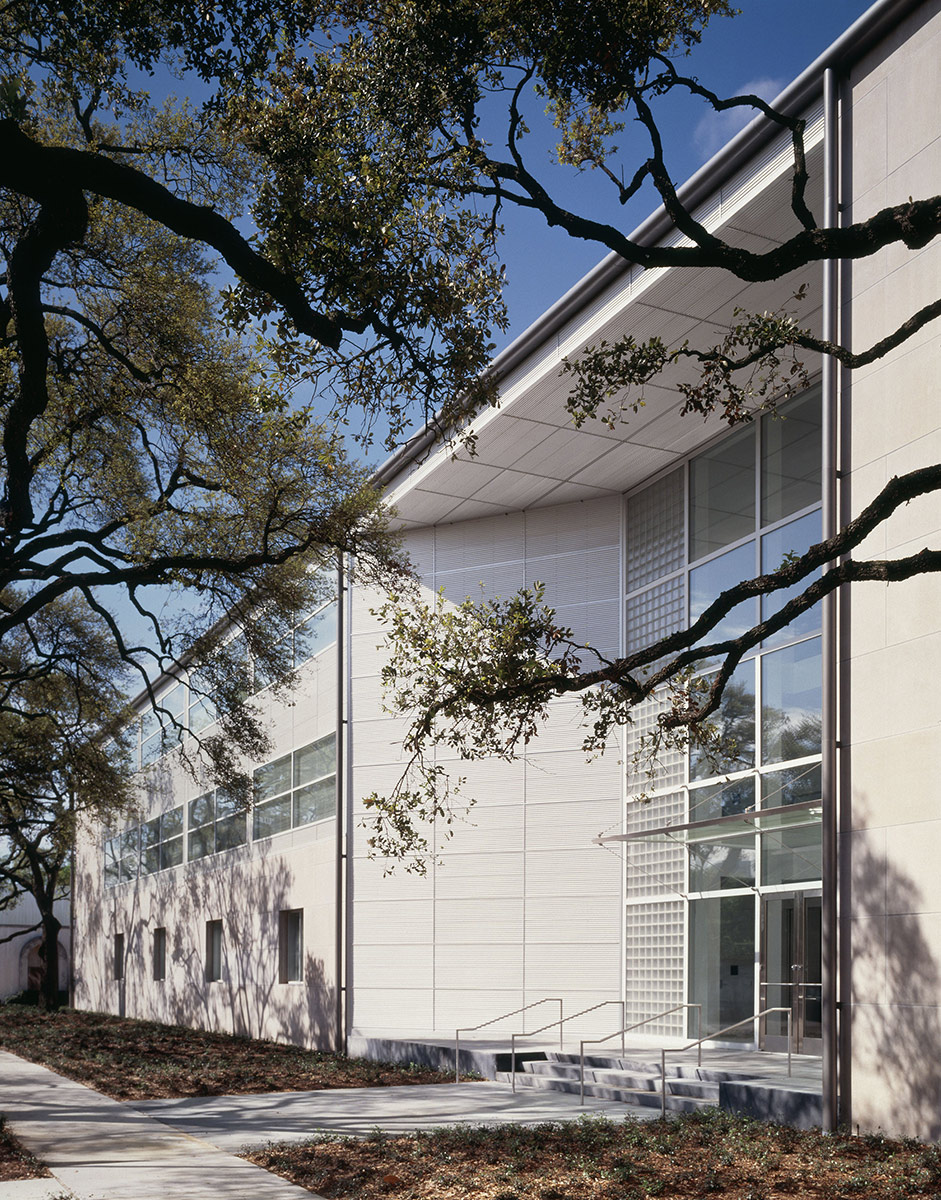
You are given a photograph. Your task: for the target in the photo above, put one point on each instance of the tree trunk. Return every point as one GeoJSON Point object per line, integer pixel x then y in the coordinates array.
{"type": "Point", "coordinates": [49, 956]}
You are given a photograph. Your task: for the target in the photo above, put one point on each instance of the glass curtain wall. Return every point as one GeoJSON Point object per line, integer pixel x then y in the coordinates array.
{"type": "Point", "coordinates": [736, 510]}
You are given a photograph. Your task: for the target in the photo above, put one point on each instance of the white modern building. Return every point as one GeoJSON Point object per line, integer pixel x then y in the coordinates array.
{"type": "Point", "coordinates": [803, 875]}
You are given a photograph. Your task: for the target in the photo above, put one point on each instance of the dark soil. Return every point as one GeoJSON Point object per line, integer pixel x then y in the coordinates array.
{"type": "Point", "coordinates": [15, 1161]}
{"type": "Point", "coordinates": [140, 1060]}
{"type": "Point", "coordinates": [711, 1156]}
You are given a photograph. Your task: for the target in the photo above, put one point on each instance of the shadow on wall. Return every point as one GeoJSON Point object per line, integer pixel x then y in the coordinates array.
{"type": "Point", "coordinates": [247, 896]}
{"type": "Point", "coordinates": [245, 890]}
{"type": "Point", "coordinates": [896, 1023]}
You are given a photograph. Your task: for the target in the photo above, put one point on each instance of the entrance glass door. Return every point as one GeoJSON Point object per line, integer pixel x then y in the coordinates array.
{"type": "Point", "coordinates": [722, 964]}
{"type": "Point", "coordinates": [790, 971]}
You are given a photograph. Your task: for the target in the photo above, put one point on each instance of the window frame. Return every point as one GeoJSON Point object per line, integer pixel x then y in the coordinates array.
{"type": "Point", "coordinates": [159, 961]}
{"type": "Point", "coordinates": [214, 957]}
{"type": "Point", "coordinates": [291, 945]}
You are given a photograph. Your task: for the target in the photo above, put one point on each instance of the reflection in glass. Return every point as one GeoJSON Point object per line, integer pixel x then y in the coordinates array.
{"type": "Point", "coordinates": [722, 495]}
{"type": "Point", "coordinates": [790, 458]}
{"type": "Point", "coordinates": [273, 778]}
{"type": "Point", "coordinates": [171, 853]}
{"type": "Point", "coordinates": [791, 702]}
{"type": "Point", "coordinates": [734, 725]}
{"type": "Point", "coordinates": [200, 843]}
{"type": "Point", "coordinates": [722, 799]}
{"type": "Point", "coordinates": [794, 538]}
{"type": "Point", "coordinates": [273, 817]}
{"type": "Point", "coordinates": [173, 701]}
{"type": "Point", "coordinates": [791, 855]}
{"type": "Point", "coordinates": [717, 865]}
{"type": "Point", "coordinates": [314, 761]}
{"type": "Point", "coordinates": [201, 810]}
{"type": "Point", "coordinates": [230, 831]}
{"type": "Point", "coordinates": [315, 801]}
{"type": "Point", "coordinates": [795, 785]}
{"type": "Point", "coordinates": [706, 583]}
{"type": "Point", "coordinates": [722, 963]}
{"type": "Point", "coordinates": [171, 823]}
{"type": "Point", "coordinates": [314, 634]}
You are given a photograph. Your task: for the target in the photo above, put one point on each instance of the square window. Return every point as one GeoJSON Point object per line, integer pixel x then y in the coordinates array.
{"type": "Point", "coordinates": [213, 951]}
{"type": "Point", "coordinates": [291, 945]}
{"type": "Point", "coordinates": [160, 953]}
{"type": "Point", "coordinates": [722, 495]}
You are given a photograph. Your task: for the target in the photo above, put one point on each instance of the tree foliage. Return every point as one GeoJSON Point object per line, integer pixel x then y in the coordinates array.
{"type": "Point", "coordinates": [195, 298]}
{"type": "Point", "coordinates": [57, 766]}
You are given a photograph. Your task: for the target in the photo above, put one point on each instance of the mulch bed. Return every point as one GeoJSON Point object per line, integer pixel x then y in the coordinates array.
{"type": "Point", "coordinates": [713, 1155]}
{"type": "Point", "coordinates": [15, 1161]}
{"type": "Point", "coordinates": [141, 1060]}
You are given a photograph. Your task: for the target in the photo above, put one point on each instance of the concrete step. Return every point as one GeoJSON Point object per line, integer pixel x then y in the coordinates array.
{"type": "Point", "coordinates": [645, 1097]}
{"type": "Point", "coordinates": [641, 1080]}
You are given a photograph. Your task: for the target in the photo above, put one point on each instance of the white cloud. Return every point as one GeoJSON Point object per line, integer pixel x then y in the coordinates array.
{"type": "Point", "coordinates": [716, 128]}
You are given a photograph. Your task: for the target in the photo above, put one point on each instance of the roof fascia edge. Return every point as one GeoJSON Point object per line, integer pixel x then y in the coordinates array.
{"type": "Point", "coordinates": [850, 46]}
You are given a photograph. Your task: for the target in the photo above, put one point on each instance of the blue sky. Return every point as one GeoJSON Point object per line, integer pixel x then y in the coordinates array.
{"type": "Point", "coordinates": [762, 50]}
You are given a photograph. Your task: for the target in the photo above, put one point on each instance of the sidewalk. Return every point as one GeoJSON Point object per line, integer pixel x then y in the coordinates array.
{"type": "Point", "coordinates": [103, 1149]}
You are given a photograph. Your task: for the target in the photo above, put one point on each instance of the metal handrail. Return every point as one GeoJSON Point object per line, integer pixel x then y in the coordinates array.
{"type": "Point", "coordinates": [799, 983]}
{"type": "Point", "coordinates": [552, 1025]}
{"type": "Point", "coordinates": [484, 1024]}
{"type": "Point", "coordinates": [597, 1041]}
{"type": "Point", "coordinates": [708, 1038]}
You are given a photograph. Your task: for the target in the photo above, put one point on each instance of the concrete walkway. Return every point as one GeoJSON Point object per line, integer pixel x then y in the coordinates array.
{"type": "Point", "coordinates": [234, 1122]}
{"type": "Point", "coordinates": [103, 1149]}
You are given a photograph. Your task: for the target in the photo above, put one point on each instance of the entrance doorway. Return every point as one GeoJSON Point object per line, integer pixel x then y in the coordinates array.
{"type": "Point", "coordinates": [791, 970]}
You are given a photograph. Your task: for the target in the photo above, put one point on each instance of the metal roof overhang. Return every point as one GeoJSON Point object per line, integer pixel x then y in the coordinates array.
{"type": "Point", "coordinates": [528, 452]}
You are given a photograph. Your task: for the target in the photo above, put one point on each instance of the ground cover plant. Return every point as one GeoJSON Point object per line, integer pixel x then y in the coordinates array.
{"type": "Point", "coordinates": [713, 1154]}
{"type": "Point", "coordinates": [141, 1060]}
{"type": "Point", "coordinates": [15, 1161]}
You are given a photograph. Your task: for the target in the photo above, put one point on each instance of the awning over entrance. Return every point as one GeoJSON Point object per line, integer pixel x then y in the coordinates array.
{"type": "Point", "coordinates": [767, 820]}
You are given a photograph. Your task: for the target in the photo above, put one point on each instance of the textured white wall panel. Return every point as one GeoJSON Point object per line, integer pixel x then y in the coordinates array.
{"type": "Point", "coordinates": [577, 577]}
{"type": "Point", "coordinates": [595, 625]}
{"type": "Point", "coordinates": [567, 775]}
{"type": "Point", "coordinates": [590, 872]}
{"type": "Point", "coordinates": [373, 884]}
{"type": "Point", "coordinates": [400, 966]}
{"type": "Point", "coordinates": [367, 698]}
{"type": "Point", "coordinates": [564, 727]}
{"type": "Point", "coordinates": [489, 781]}
{"type": "Point", "coordinates": [469, 922]}
{"type": "Point", "coordinates": [368, 655]}
{"type": "Point", "coordinates": [494, 828]}
{"type": "Point", "coordinates": [380, 741]}
{"type": "Point", "coordinates": [419, 545]}
{"type": "Point", "coordinates": [468, 966]}
{"type": "Point", "coordinates": [567, 825]}
{"type": "Point", "coordinates": [585, 525]}
{"type": "Point", "coordinates": [393, 1010]}
{"type": "Point", "coordinates": [406, 923]}
{"type": "Point", "coordinates": [481, 583]}
{"type": "Point", "coordinates": [555, 919]}
{"type": "Point", "coordinates": [465, 1006]}
{"type": "Point", "coordinates": [467, 545]}
{"type": "Point", "coordinates": [474, 875]}
{"type": "Point", "coordinates": [588, 965]}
